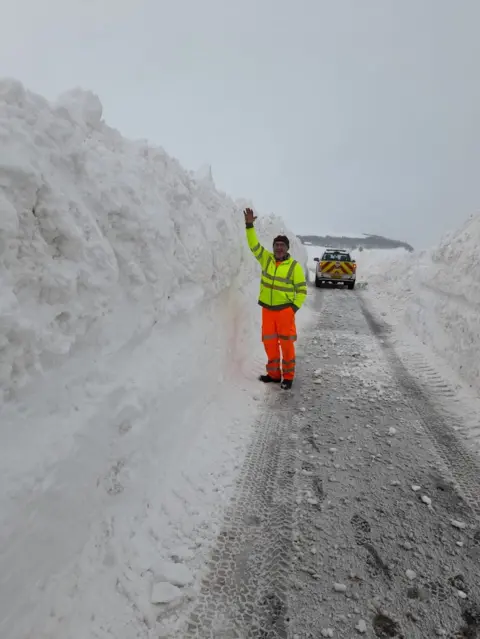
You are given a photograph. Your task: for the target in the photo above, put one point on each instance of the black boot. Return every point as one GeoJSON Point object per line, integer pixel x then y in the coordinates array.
{"type": "Point", "coordinates": [266, 379]}
{"type": "Point", "coordinates": [287, 384]}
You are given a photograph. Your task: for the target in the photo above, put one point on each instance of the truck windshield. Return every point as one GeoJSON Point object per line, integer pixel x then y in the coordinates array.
{"type": "Point", "coordinates": [336, 257]}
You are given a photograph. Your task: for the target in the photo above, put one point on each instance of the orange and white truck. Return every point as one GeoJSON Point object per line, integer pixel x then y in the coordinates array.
{"type": "Point", "coordinates": [336, 266]}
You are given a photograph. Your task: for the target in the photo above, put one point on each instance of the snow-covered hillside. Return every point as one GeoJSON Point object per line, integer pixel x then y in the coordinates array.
{"type": "Point", "coordinates": [130, 341]}
{"type": "Point", "coordinates": [436, 294]}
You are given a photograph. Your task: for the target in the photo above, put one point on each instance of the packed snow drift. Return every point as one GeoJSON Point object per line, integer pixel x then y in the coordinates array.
{"type": "Point", "coordinates": [130, 342]}
{"type": "Point", "coordinates": [436, 294]}
{"type": "Point", "coordinates": [101, 236]}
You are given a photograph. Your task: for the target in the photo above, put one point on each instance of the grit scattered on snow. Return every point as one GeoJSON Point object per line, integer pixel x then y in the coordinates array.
{"type": "Point", "coordinates": [129, 337]}
{"type": "Point", "coordinates": [433, 293]}
{"type": "Point", "coordinates": [432, 300]}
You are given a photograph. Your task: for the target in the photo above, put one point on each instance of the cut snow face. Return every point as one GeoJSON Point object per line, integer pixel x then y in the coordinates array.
{"type": "Point", "coordinates": [436, 293]}
{"type": "Point", "coordinates": [101, 236]}
{"type": "Point", "coordinates": [205, 175]}
{"type": "Point", "coordinates": [130, 337]}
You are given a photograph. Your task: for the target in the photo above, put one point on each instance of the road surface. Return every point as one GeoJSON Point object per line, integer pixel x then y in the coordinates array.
{"type": "Point", "coordinates": [357, 511]}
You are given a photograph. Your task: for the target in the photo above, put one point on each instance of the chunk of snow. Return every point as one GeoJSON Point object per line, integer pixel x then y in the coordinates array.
{"type": "Point", "coordinates": [339, 587]}
{"type": "Point", "coordinates": [426, 500]}
{"type": "Point", "coordinates": [165, 592]}
{"type": "Point", "coordinates": [182, 553]}
{"type": "Point", "coordinates": [458, 524]}
{"type": "Point", "coordinates": [176, 574]}
{"type": "Point", "coordinates": [361, 626]}
{"type": "Point", "coordinates": [411, 574]}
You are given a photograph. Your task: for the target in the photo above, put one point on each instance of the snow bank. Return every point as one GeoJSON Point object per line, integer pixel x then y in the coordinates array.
{"type": "Point", "coordinates": [130, 345]}
{"type": "Point", "coordinates": [312, 252]}
{"type": "Point", "coordinates": [377, 265]}
{"type": "Point", "coordinates": [101, 237]}
{"type": "Point", "coordinates": [437, 294]}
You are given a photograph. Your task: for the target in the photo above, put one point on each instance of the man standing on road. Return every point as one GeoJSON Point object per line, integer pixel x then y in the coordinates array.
{"type": "Point", "coordinates": [283, 289]}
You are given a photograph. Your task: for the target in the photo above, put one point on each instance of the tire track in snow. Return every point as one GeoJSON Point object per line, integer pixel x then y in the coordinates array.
{"type": "Point", "coordinates": [244, 592]}
{"type": "Point", "coordinates": [316, 505]}
{"type": "Point", "coordinates": [463, 466]}
{"type": "Point", "coordinates": [398, 564]}
{"type": "Point", "coordinates": [451, 395]}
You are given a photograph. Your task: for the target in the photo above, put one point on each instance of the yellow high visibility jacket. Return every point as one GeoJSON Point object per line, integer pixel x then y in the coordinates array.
{"type": "Point", "coordinates": [282, 284]}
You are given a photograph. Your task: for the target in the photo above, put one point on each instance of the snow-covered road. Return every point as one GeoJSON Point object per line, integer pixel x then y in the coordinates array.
{"type": "Point", "coordinates": [131, 415]}
{"type": "Point", "coordinates": [357, 511]}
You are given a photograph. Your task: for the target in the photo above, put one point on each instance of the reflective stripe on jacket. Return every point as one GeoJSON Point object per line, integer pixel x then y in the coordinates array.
{"type": "Point", "coordinates": [281, 285]}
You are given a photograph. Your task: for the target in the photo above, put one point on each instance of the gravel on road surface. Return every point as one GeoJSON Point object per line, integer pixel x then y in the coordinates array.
{"type": "Point", "coordinates": [357, 510]}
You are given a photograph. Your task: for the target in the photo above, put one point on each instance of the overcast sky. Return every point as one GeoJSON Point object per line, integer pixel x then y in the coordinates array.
{"type": "Point", "coordinates": [339, 115]}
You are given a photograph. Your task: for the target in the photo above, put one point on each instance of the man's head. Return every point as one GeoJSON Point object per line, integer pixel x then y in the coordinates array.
{"type": "Point", "coordinates": [280, 247]}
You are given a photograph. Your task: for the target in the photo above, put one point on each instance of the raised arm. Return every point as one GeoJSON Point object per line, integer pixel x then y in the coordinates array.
{"type": "Point", "coordinates": [259, 251]}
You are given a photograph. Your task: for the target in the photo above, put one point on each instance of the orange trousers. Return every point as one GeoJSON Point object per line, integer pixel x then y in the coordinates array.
{"type": "Point", "coordinates": [279, 333]}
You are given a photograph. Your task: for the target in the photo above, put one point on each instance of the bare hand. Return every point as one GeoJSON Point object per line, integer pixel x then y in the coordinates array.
{"type": "Point", "coordinates": [249, 216]}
